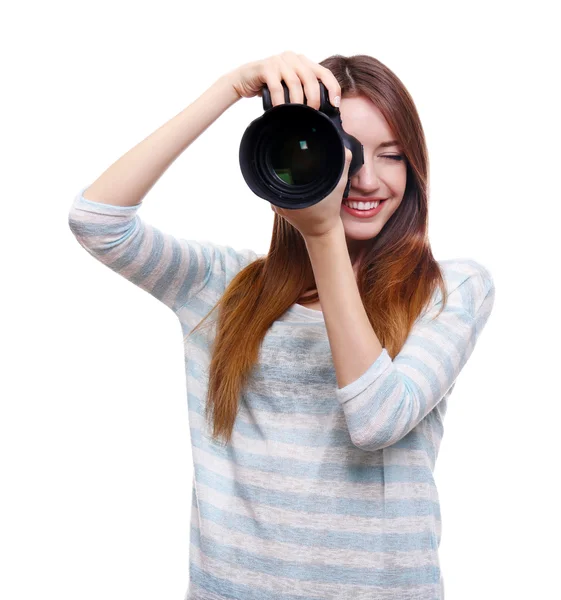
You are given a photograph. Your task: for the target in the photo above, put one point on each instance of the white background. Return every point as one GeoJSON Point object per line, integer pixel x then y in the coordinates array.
{"type": "Point", "coordinates": [95, 457]}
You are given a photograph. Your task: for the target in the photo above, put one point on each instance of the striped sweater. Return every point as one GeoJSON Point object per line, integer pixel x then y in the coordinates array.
{"type": "Point", "coordinates": [323, 492]}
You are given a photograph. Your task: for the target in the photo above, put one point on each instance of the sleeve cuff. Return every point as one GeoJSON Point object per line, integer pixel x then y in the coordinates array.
{"type": "Point", "coordinates": [100, 207]}
{"type": "Point", "coordinates": [359, 385]}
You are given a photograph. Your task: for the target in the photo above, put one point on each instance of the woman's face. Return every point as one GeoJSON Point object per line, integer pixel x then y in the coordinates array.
{"type": "Point", "coordinates": [380, 175]}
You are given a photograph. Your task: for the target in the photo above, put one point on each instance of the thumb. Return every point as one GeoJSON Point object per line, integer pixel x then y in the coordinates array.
{"type": "Point", "coordinates": [348, 159]}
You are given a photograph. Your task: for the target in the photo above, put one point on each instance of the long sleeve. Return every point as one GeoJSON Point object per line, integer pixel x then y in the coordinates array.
{"type": "Point", "coordinates": [393, 396]}
{"type": "Point", "coordinates": [170, 269]}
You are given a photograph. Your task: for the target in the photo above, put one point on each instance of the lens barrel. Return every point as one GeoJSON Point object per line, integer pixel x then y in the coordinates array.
{"type": "Point", "coordinates": [293, 155]}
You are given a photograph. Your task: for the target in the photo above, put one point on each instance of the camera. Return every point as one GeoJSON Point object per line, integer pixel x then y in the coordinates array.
{"type": "Point", "coordinates": [293, 155]}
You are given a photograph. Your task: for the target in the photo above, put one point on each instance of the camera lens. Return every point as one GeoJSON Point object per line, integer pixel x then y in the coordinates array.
{"type": "Point", "coordinates": [293, 155]}
{"type": "Point", "coordinates": [297, 156]}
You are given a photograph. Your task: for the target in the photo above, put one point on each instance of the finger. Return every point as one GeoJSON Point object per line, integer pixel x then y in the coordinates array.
{"type": "Point", "coordinates": [348, 160]}
{"type": "Point", "coordinates": [307, 79]}
{"type": "Point", "coordinates": [325, 76]}
{"type": "Point", "coordinates": [292, 79]}
{"type": "Point", "coordinates": [272, 76]}
{"type": "Point", "coordinates": [345, 175]}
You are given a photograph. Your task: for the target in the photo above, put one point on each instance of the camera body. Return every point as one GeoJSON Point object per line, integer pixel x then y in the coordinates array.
{"type": "Point", "coordinates": [293, 155]}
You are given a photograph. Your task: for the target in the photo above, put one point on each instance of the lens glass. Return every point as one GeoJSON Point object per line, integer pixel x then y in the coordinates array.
{"type": "Point", "coordinates": [298, 155]}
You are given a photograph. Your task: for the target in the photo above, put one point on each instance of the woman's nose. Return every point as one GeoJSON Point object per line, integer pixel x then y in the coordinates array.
{"type": "Point", "coordinates": [366, 177]}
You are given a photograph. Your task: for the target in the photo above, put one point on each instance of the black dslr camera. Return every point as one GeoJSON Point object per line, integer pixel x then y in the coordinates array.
{"type": "Point", "coordinates": [293, 155]}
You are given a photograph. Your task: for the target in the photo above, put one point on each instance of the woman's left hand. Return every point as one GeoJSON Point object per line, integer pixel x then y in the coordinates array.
{"type": "Point", "coordinates": [322, 217]}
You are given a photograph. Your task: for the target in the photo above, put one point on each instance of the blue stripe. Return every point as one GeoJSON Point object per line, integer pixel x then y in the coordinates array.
{"type": "Point", "coordinates": [318, 503]}
{"type": "Point", "coordinates": [332, 573]}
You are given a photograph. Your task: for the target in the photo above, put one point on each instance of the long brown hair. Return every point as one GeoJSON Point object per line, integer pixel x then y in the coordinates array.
{"type": "Point", "coordinates": [396, 276]}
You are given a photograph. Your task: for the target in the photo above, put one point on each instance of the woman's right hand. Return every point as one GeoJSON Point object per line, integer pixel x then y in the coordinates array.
{"type": "Point", "coordinates": [300, 74]}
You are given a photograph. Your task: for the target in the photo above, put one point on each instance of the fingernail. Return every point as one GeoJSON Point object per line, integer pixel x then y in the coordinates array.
{"type": "Point", "coordinates": [337, 101]}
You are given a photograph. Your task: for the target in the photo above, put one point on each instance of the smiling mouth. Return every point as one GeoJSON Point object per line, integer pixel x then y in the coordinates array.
{"type": "Point", "coordinates": [370, 205]}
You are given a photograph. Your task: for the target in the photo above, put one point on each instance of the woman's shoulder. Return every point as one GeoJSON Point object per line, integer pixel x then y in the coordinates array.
{"type": "Point", "coordinates": [468, 282]}
{"type": "Point", "coordinates": [458, 270]}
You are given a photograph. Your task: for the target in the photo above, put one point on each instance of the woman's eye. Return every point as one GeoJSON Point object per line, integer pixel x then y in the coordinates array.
{"type": "Point", "coordinates": [394, 156]}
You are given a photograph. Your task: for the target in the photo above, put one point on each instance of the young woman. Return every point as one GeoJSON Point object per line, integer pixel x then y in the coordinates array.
{"type": "Point", "coordinates": [316, 400]}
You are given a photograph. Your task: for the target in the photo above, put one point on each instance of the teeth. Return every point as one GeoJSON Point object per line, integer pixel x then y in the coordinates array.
{"type": "Point", "coordinates": [362, 205]}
